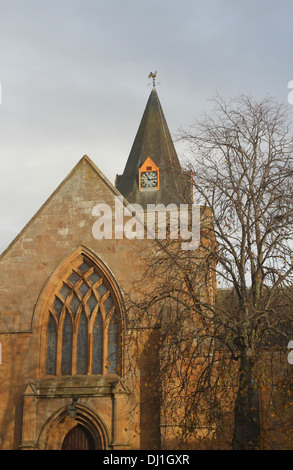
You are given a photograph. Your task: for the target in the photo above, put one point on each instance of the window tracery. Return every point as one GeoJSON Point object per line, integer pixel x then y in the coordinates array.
{"type": "Point", "coordinates": [84, 327]}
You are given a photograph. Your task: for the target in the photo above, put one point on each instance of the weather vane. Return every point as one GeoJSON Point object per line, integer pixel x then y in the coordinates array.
{"type": "Point", "coordinates": [153, 76]}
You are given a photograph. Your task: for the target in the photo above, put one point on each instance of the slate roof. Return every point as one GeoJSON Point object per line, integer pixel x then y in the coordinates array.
{"type": "Point", "coordinates": [153, 139]}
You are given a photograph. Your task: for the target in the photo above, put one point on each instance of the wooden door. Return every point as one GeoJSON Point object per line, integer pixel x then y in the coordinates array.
{"type": "Point", "coordinates": [78, 438]}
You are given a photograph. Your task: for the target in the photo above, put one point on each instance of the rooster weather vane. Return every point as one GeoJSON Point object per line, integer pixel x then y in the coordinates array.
{"type": "Point", "coordinates": [153, 76]}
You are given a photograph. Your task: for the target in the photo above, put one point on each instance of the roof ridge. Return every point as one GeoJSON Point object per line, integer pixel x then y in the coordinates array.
{"type": "Point", "coordinates": [93, 166]}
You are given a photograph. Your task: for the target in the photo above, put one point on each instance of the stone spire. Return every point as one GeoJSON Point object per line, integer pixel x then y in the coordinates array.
{"type": "Point", "coordinates": [153, 140]}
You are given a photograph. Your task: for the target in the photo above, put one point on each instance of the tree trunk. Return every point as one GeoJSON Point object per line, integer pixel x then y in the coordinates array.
{"type": "Point", "coordinates": [246, 412]}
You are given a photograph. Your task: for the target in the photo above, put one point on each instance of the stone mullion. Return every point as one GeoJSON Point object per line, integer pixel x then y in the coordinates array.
{"type": "Point", "coordinates": [88, 316]}
{"type": "Point", "coordinates": [89, 339]}
{"type": "Point", "coordinates": [105, 346]}
{"type": "Point", "coordinates": [90, 352]}
{"type": "Point", "coordinates": [75, 338]}
{"type": "Point", "coordinates": [91, 323]}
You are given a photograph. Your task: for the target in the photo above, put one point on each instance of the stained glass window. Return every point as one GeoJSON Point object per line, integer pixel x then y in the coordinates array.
{"type": "Point", "coordinates": [82, 360]}
{"type": "Point", "coordinates": [98, 345]}
{"type": "Point", "coordinates": [79, 317]}
{"type": "Point", "coordinates": [67, 346]}
{"type": "Point", "coordinates": [113, 346]}
{"type": "Point", "coordinates": [51, 347]}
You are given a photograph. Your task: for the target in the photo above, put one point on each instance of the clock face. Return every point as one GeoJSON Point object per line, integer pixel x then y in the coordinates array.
{"type": "Point", "coordinates": [149, 179]}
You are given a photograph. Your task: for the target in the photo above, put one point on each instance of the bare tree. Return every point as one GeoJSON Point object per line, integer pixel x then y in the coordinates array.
{"type": "Point", "coordinates": [211, 347]}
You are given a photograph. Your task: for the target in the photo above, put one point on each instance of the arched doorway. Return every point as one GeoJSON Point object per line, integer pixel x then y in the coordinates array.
{"type": "Point", "coordinates": [78, 438]}
{"type": "Point", "coordinates": [86, 431]}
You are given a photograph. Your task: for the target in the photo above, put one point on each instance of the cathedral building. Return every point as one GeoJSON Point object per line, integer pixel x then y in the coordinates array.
{"type": "Point", "coordinates": [63, 321]}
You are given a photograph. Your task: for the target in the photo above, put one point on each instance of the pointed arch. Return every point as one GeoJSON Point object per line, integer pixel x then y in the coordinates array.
{"type": "Point", "coordinates": [73, 316]}
{"type": "Point", "coordinates": [56, 428]}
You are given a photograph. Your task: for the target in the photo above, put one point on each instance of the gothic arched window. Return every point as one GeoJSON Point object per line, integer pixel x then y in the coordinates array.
{"type": "Point", "coordinates": [84, 327]}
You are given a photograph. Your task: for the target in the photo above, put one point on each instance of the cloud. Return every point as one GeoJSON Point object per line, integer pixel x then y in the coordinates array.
{"type": "Point", "coordinates": [74, 79]}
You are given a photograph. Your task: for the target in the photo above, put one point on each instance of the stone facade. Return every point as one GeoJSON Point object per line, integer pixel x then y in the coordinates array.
{"type": "Point", "coordinates": [31, 268]}
{"type": "Point", "coordinates": [46, 298]}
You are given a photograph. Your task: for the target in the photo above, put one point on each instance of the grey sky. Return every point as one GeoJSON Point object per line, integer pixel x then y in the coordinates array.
{"type": "Point", "coordinates": [74, 77]}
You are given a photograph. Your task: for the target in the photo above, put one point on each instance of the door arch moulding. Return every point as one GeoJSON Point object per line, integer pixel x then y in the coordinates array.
{"type": "Point", "coordinates": [60, 423]}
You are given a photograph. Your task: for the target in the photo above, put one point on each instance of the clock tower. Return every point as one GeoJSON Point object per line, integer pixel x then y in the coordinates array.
{"type": "Point", "coordinates": [148, 176]}
{"type": "Point", "coordinates": [153, 174]}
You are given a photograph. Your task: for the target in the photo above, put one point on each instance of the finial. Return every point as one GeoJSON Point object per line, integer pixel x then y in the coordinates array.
{"type": "Point", "coordinates": [153, 76]}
